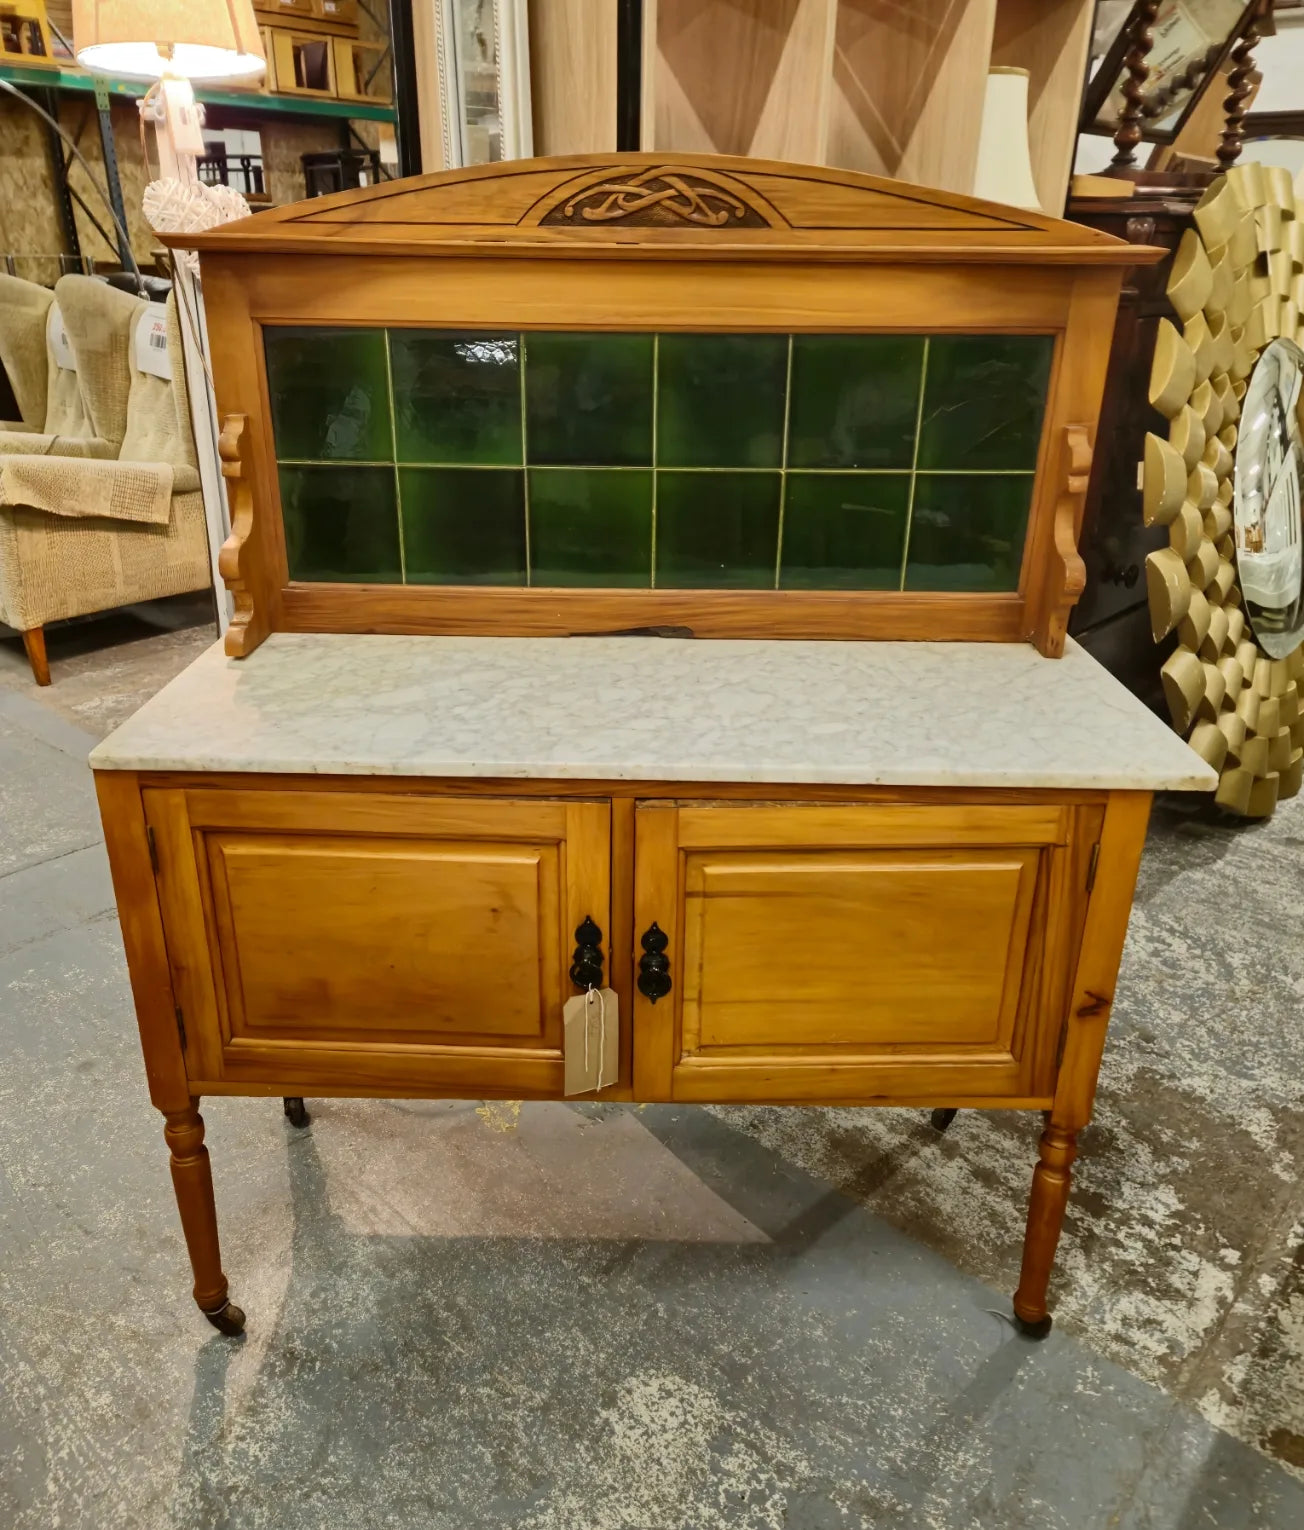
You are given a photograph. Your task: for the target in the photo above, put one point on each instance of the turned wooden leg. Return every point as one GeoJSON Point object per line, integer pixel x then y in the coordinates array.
{"type": "Point", "coordinates": [1050, 1195]}
{"type": "Point", "coordinates": [34, 646]}
{"type": "Point", "coordinates": [193, 1181]}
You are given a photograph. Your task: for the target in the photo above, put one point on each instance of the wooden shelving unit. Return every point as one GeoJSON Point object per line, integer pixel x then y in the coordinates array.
{"type": "Point", "coordinates": [72, 78]}
{"type": "Point", "coordinates": [890, 90]}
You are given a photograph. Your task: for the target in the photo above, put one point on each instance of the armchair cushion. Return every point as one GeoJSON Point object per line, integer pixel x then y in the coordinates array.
{"type": "Point", "coordinates": [23, 312]}
{"type": "Point", "coordinates": [119, 491]}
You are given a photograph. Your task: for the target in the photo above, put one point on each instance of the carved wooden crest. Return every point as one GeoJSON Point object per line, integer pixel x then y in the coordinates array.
{"type": "Point", "coordinates": [688, 206]}
{"type": "Point", "coordinates": [659, 198]}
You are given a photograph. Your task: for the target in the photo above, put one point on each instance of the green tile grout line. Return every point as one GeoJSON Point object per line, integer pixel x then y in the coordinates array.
{"type": "Point", "coordinates": [643, 467]}
{"type": "Point", "coordinates": [914, 462]}
{"type": "Point", "coordinates": [525, 459]}
{"type": "Point", "coordinates": [398, 479]}
{"type": "Point", "coordinates": [656, 392]}
{"type": "Point", "coordinates": [783, 465]}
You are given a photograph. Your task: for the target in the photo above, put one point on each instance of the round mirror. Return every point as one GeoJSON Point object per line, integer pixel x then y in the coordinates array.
{"type": "Point", "coordinates": [1269, 464]}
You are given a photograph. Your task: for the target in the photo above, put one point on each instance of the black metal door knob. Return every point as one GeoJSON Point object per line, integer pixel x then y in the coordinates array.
{"type": "Point", "coordinates": [654, 964]}
{"type": "Point", "coordinates": [586, 963]}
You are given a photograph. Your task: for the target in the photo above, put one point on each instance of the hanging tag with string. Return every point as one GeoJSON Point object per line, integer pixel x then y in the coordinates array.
{"type": "Point", "coordinates": [590, 1040]}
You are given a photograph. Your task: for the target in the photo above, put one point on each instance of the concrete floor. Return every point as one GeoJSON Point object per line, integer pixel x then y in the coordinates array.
{"type": "Point", "coordinates": [561, 1317]}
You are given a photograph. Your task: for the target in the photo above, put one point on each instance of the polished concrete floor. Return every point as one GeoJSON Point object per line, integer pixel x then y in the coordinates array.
{"type": "Point", "coordinates": [605, 1318]}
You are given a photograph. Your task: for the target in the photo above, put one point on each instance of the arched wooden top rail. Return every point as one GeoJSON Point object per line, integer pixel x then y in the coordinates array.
{"type": "Point", "coordinates": [691, 206]}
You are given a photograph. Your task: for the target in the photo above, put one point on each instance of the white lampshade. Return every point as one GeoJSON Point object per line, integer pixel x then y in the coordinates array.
{"type": "Point", "coordinates": [142, 39]}
{"type": "Point", "coordinates": [1004, 168]}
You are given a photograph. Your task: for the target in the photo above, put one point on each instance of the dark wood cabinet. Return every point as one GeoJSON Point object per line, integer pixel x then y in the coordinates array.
{"type": "Point", "coordinates": [1111, 620]}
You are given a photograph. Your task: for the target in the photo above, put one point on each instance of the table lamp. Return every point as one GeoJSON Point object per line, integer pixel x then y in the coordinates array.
{"type": "Point", "coordinates": [172, 43]}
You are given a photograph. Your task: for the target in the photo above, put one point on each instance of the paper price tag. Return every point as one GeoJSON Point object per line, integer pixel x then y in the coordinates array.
{"type": "Point", "coordinates": [59, 342]}
{"type": "Point", "coordinates": [590, 1041]}
{"type": "Point", "coordinates": [152, 342]}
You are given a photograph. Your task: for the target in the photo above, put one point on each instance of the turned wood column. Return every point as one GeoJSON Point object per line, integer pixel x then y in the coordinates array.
{"type": "Point", "coordinates": [1122, 836]}
{"type": "Point", "coordinates": [1239, 89]}
{"type": "Point", "coordinates": [1142, 40]}
{"type": "Point", "coordinates": [1051, 1180]}
{"type": "Point", "coordinates": [192, 1179]}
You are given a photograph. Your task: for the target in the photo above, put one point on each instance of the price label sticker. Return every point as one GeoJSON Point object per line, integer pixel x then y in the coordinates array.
{"type": "Point", "coordinates": [152, 342]}
{"type": "Point", "coordinates": [64, 356]}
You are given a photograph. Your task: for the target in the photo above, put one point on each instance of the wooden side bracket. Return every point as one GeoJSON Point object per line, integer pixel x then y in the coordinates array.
{"type": "Point", "coordinates": [249, 626]}
{"type": "Point", "coordinates": [1067, 577]}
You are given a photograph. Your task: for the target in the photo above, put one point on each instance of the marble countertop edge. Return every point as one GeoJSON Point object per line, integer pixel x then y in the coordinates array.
{"type": "Point", "coordinates": [967, 716]}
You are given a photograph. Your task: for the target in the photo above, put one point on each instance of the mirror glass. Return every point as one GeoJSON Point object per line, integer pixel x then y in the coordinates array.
{"type": "Point", "coordinates": [1189, 36]}
{"type": "Point", "coordinates": [1269, 463]}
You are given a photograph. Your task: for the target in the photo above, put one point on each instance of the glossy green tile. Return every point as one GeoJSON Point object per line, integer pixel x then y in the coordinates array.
{"type": "Point", "coordinates": [590, 527]}
{"type": "Point", "coordinates": [855, 400]}
{"type": "Point", "coordinates": [720, 400]}
{"type": "Point", "coordinates": [463, 525]}
{"type": "Point", "coordinates": [589, 399]}
{"type": "Point", "coordinates": [341, 523]}
{"type": "Point", "coordinates": [330, 394]}
{"type": "Point", "coordinates": [983, 401]}
{"type": "Point", "coordinates": [717, 531]}
{"type": "Point", "coordinates": [457, 397]}
{"type": "Point", "coordinates": [844, 531]}
{"type": "Point", "coordinates": [967, 533]}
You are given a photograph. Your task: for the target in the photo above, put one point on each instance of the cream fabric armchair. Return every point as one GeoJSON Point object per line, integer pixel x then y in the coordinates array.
{"type": "Point", "coordinates": [83, 395]}
{"type": "Point", "coordinates": [85, 534]}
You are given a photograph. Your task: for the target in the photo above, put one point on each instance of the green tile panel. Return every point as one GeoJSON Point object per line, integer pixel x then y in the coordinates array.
{"type": "Point", "coordinates": [681, 461]}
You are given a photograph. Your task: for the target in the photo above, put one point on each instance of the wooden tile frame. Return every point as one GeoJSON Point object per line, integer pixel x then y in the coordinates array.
{"type": "Point", "coordinates": [338, 265]}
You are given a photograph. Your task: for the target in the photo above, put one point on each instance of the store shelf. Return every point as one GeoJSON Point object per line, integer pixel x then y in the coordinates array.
{"type": "Point", "coordinates": [243, 100]}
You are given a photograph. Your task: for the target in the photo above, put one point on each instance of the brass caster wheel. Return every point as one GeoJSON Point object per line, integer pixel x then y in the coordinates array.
{"type": "Point", "coordinates": [941, 1119]}
{"type": "Point", "coordinates": [228, 1319]}
{"type": "Point", "coordinates": [1037, 1330]}
{"type": "Point", "coordinates": [295, 1113]}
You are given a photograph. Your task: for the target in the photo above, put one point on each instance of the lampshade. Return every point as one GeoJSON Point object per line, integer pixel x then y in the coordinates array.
{"type": "Point", "coordinates": [141, 39]}
{"type": "Point", "coordinates": [1003, 172]}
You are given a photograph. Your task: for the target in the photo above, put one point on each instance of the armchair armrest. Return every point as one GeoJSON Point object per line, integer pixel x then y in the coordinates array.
{"type": "Point", "coordinates": [122, 491]}
{"type": "Point", "coordinates": [17, 440]}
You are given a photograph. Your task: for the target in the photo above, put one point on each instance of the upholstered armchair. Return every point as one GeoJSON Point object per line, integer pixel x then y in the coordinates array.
{"type": "Point", "coordinates": [85, 384]}
{"type": "Point", "coordinates": [85, 534]}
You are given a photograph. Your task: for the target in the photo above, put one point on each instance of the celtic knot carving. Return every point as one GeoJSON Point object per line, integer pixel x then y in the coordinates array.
{"type": "Point", "coordinates": [657, 197]}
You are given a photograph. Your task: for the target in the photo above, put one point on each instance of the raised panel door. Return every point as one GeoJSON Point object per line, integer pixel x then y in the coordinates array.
{"type": "Point", "coordinates": [392, 940]}
{"type": "Point", "coordinates": [857, 952]}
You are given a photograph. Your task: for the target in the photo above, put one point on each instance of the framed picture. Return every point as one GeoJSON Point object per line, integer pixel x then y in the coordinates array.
{"type": "Point", "coordinates": [473, 60]}
{"type": "Point", "coordinates": [1192, 38]}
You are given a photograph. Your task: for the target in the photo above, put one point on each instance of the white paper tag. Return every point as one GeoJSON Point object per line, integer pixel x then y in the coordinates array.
{"type": "Point", "coordinates": [152, 342]}
{"type": "Point", "coordinates": [59, 341]}
{"type": "Point", "coordinates": [590, 1041]}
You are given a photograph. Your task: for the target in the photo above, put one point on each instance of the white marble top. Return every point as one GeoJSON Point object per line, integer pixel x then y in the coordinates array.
{"type": "Point", "coordinates": [658, 709]}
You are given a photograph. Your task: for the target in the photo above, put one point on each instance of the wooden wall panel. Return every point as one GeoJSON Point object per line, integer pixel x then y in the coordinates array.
{"type": "Point", "coordinates": [573, 76]}
{"type": "Point", "coordinates": [772, 98]}
{"type": "Point", "coordinates": [1049, 38]}
{"type": "Point", "coordinates": [908, 84]}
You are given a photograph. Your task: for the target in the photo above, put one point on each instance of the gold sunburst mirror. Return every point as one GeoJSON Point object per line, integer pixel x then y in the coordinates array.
{"type": "Point", "coordinates": [1225, 481]}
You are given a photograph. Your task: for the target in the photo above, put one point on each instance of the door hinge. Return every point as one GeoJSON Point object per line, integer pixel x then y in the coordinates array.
{"type": "Point", "coordinates": [181, 1027]}
{"type": "Point", "coordinates": [153, 848]}
{"type": "Point", "coordinates": [1092, 864]}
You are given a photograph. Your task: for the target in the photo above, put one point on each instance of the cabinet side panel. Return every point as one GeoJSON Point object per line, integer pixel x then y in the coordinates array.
{"type": "Point", "coordinates": [1121, 843]}
{"type": "Point", "coordinates": [123, 817]}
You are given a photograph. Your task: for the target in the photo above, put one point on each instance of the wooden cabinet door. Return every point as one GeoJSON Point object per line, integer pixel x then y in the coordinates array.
{"type": "Point", "coordinates": [858, 952]}
{"type": "Point", "coordinates": [378, 940]}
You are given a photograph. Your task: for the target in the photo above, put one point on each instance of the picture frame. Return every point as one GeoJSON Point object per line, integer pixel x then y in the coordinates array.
{"type": "Point", "coordinates": [474, 78]}
{"type": "Point", "coordinates": [1192, 39]}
